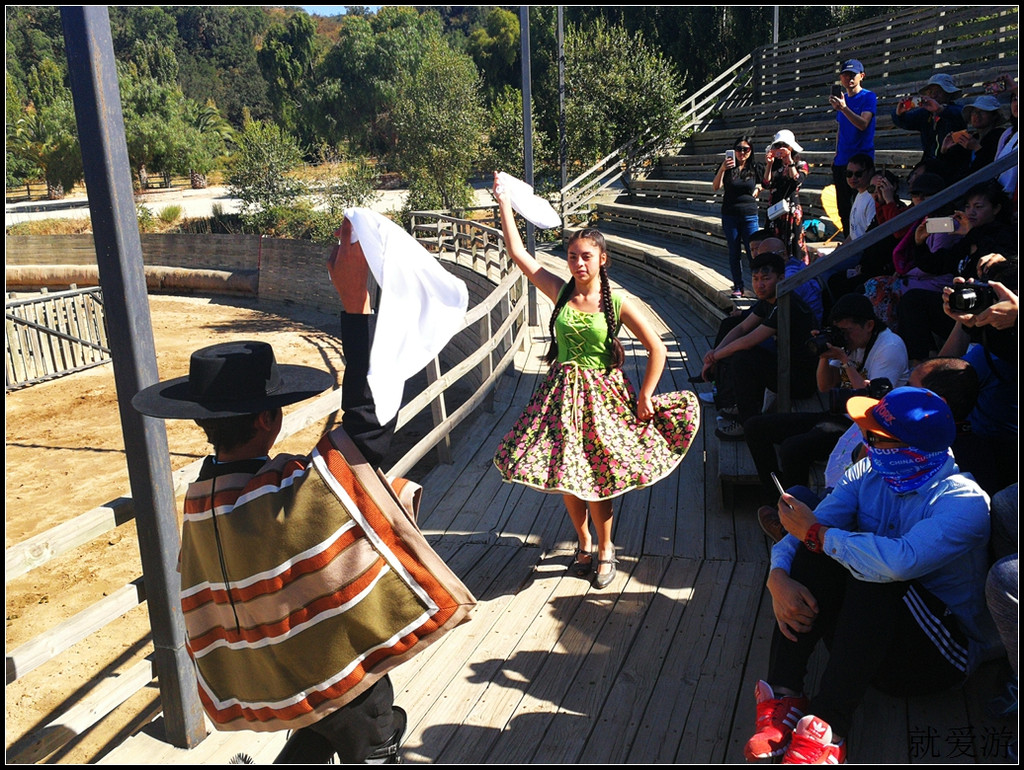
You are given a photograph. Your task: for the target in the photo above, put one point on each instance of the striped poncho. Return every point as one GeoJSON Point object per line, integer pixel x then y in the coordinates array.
{"type": "Point", "coordinates": [304, 584]}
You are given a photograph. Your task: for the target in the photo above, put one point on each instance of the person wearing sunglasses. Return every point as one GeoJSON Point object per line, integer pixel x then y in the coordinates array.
{"type": "Point", "coordinates": [890, 568]}
{"type": "Point", "coordinates": [739, 177]}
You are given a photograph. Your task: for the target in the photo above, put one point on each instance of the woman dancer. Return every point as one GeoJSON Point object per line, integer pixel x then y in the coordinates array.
{"type": "Point", "coordinates": [741, 177]}
{"type": "Point", "coordinates": [585, 434]}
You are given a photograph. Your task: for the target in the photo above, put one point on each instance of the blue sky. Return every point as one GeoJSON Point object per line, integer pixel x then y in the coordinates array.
{"type": "Point", "coordinates": [324, 10]}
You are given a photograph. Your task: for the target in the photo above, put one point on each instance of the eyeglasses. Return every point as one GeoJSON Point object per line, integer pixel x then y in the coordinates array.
{"type": "Point", "coordinates": [857, 174]}
{"type": "Point", "coordinates": [876, 439]}
{"type": "Point", "coordinates": [741, 149]}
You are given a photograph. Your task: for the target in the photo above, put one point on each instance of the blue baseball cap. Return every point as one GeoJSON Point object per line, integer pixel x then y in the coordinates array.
{"type": "Point", "coordinates": [913, 416]}
{"type": "Point", "coordinates": [852, 65]}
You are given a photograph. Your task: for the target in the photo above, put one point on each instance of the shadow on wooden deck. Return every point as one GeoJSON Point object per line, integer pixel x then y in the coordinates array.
{"type": "Point", "coordinates": [658, 667]}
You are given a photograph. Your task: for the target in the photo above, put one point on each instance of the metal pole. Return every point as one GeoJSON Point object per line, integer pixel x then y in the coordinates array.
{"type": "Point", "coordinates": [531, 237]}
{"type": "Point", "coordinates": [94, 86]}
{"type": "Point", "coordinates": [775, 30]}
{"type": "Point", "coordinates": [562, 146]}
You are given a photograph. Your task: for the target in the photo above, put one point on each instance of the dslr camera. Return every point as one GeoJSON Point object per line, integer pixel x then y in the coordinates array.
{"type": "Point", "coordinates": [837, 397]}
{"type": "Point", "coordinates": [830, 335]}
{"type": "Point", "coordinates": [972, 297]}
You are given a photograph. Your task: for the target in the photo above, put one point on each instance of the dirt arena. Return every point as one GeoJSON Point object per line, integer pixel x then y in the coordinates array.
{"type": "Point", "coordinates": [65, 455]}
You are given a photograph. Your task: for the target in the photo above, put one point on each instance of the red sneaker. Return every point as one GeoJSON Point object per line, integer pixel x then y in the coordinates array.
{"type": "Point", "coordinates": [812, 744]}
{"type": "Point", "coordinates": [776, 719]}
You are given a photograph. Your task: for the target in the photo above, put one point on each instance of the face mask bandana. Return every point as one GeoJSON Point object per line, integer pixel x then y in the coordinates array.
{"type": "Point", "coordinates": [906, 468]}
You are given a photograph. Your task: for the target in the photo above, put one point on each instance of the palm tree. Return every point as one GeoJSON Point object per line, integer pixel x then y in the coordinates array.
{"type": "Point", "coordinates": [48, 140]}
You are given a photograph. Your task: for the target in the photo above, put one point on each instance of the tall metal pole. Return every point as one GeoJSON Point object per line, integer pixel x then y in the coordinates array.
{"type": "Point", "coordinates": [93, 75]}
{"type": "Point", "coordinates": [563, 150]}
{"type": "Point", "coordinates": [531, 237]}
{"type": "Point", "coordinates": [775, 30]}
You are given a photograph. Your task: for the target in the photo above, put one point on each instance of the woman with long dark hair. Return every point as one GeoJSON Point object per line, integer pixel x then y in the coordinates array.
{"type": "Point", "coordinates": [739, 176]}
{"type": "Point", "coordinates": [586, 434]}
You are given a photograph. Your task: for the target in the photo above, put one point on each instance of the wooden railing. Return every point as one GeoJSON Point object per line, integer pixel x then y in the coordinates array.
{"type": "Point", "coordinates": [496, 328]}
{"type": "Point", "coordinates": [50, 335]}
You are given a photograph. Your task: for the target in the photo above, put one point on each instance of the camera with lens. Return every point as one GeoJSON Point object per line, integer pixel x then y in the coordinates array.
{"type": "Point", "coordinates": [972, 297]}
{"type": "Point", "coordinates": [830, 335]}
{"type": "Point", "coordinates": [837, 397]}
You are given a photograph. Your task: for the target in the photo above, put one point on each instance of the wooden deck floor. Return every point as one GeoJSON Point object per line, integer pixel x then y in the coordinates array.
{"type": "Point", "coordinates": [658, 667]}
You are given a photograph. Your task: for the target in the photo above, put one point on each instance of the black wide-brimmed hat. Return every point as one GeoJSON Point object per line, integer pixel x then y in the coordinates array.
{"type": "Point", "coordinates": [231, 379]}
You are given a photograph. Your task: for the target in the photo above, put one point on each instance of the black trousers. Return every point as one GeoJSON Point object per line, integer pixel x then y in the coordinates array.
{"type": "Point", "coordinates": [370, 720]}
{"type": "Point", "coordinates": [790, 443]}
{"type": "Point", "coordinates": [874, 637]}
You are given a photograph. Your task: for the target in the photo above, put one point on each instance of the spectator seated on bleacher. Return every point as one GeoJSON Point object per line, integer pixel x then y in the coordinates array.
{"type": "Point", "coordinates": [877, 260]}
{"type": "Point", "coordinates": [983, 226]}
{"type": "Point", "coordinates": [953, 379]}
{"type": "Point", "coordinates": [868, 358]}
{"type": "Point", "coordinates": [1008, 141]}
{"type": "Point", "coordinates": [763, 242]}
{"type": "Point", "coordinates": [884, 290]}
{"type": "Point", "coordinates": [988, 341]}
{"type": "Point", "coordinates": [892, 582]}
{"type": "Point", "coordinates": [985, 118]}
{"type": "Point", "coordinates": [745, 363]}
{"type": "Point", "coordinates": [934, 113]}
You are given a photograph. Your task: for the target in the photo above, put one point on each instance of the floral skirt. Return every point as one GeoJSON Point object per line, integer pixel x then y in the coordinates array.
{"type": "Point", "coordinates": [579, 435]}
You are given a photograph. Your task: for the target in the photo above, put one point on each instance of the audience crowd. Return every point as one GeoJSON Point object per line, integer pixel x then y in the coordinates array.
{"type": "Point", "coordinates": [928, 312]}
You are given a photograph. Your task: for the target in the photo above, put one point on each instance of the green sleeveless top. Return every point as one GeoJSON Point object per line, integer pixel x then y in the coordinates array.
{"type": "Point", "coordinates": [583, 337]}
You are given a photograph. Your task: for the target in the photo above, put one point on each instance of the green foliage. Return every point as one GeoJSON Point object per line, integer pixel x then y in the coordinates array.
{"type": "Point", "coordinates": [440, 122]}
{"type": "Point", "coordinates": [618, 87]}
{"type": "Point", "coordinates": [46, 141]}
{"type": "Point", "coordinates": [170, 214]}
{"type": "Point", "coordinates": [345, 186]}
{"type": "Point", "coordinates": [505, 146]}
{"type": "Point", "coordinates": [260, 168]}
{"type": "Point", "coordinates": [494, 47]}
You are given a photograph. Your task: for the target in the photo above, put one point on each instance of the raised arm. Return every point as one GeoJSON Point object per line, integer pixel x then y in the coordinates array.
{"type": "Point", "coordinates": [545, 281]}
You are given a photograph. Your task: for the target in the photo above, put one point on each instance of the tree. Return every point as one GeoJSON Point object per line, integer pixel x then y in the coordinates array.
{"type": "Point", "coordinates": [286, 60]}
{"type": "Point", "coordinates": [505, 145]}
{"type": "Point", "coordinates": [494, 47]}
{"type": "Point", "coordinates": [47, 140]}
{"type": "Point", "coordinates": [261, 165]}
{"type": "Point", "coordinates": [618, 88]}
{"type": "Point", "coordinates": [439, 121]}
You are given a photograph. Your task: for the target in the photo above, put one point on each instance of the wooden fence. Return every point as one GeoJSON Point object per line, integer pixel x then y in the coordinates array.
{"type": "Point", "coordinates": [51, 335]}
{"type": "Point", "coordinates": [493, 331]}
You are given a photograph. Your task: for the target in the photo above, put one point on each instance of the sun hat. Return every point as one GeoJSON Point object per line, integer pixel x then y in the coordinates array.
{"type": "Point", "coordinates": [231, 379]}
{"type": "Point", "coordinates": [984, 103]}
{"type": "Point", "coordinates": [785, 136]}
{"type": "Point", "coordinates": [914, 416]}
{"type": "Point", "coordinates": [943, 81]}
{"type": "Point", "coordinates": [852, 65]}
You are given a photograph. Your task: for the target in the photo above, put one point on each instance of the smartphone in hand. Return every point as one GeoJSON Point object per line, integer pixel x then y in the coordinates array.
{"type": "Point", "coordinates": [837, 91]}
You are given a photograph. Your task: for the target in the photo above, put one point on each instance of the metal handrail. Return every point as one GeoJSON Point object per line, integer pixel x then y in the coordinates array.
{"type": "Point", "coordinates": [852, 248]}
{"type": "Point", "coordinates": [692, 113]}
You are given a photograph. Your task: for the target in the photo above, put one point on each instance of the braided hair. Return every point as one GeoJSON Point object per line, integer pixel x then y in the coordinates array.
{"type": "Point", "coordinates": [615, 349]}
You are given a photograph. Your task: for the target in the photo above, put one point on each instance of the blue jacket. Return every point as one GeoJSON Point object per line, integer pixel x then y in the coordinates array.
{"type": "Point", "coordinates": [937, 535]}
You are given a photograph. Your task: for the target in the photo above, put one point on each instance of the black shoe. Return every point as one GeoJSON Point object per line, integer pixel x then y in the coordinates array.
{"type": "Point", "coordinates": [581, 568]}
{"type": "Point", "coordinates": [387, 754]}
{"type": "Point", "coordinates": [603, 581]}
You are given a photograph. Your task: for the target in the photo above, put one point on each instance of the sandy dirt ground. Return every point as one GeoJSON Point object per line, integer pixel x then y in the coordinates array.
{"type": "Point", "coordinates": [65, 455]}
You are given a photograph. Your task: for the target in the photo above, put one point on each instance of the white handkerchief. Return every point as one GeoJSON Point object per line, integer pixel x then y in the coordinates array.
{"type": "Point", "coordinates": [531, 207]}
{"type": "Point", "coordinates": [422, 306]}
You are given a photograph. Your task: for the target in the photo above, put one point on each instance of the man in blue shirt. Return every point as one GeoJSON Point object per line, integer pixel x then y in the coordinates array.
{"type": "Point", "coordinates": [890, 568]}
{"type": "Point", "coordinates": [855, 113]}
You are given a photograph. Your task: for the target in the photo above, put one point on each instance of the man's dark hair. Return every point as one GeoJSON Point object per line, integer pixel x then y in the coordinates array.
{"type": "Point", "coordinates": [955, 381]}
{"type": "Point", "coordinates": [863, 160]}
{"type": "Point", "coordinates": [776, 263]}
{"type": "Point", "coordinates": [227, 433]}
